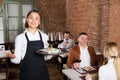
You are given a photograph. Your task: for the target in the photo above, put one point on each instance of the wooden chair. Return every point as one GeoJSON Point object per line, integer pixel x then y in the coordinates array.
{"type": "Point", "coordinates": [4, 66]}
{"type": "Point", "coordinates": [62, 62]}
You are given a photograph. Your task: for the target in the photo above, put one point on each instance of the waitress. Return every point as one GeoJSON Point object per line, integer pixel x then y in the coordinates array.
{"type": "Point", "coordinates": [32, 66]}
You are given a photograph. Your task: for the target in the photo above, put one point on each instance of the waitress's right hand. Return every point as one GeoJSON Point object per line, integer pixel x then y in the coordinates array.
{"type": "Point", "coordinates": [9, 54]}
{"type": "Point", "coordinates": [76, 65]}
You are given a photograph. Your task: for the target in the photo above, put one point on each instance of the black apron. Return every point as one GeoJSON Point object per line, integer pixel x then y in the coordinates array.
{"type": "Point", "coordinates": [33, 66]}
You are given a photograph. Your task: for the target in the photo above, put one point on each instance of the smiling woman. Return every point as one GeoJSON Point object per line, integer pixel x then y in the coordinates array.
{"type": "Point", "coordinates": [26, 45]}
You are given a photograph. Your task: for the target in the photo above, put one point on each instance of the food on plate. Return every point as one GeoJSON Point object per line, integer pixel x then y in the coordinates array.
{"type": "Point", "coordinates": [89, 68]}
{"type": "Point", "coordinates": [52, 50]}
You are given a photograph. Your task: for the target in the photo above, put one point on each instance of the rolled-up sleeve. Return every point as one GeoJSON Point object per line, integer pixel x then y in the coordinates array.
{"type": "Point", "coordinates": [45, 39]}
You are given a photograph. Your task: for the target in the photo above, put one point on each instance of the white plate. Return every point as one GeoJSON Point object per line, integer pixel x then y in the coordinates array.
{"type": "Point", "coordinates": [48, 51]}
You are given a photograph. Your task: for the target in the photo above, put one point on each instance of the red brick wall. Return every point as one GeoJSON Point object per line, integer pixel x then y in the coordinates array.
{"type": "Point", "coordinates": [91, 16]}
{"type": "Point", "coordinates": [105, 16]}
{"type": "Point", "coordinates": [99, 18]}
{"type": "Point", "coordinates": [94, 23]}
{"type": "Point", "coordinates": [54, 14]}
{"type": "Point", "coordinates": [77, 16]}
{"type": "Point", "coordinates": [114, 29]}
{"type": "Point", "coordinates": [1, 2]}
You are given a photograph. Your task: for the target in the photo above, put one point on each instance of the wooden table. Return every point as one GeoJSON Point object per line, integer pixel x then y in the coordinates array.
{"type": "Point", "coordinates": [4, 66]}
{"type": "Point", "coordinates": [77, 74]}
{"type": "Point", "coordinates": [71, 74]}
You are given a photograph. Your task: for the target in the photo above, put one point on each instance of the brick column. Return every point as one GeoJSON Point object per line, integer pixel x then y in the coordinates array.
{"type": "Point", "coordinates": [105, 6]}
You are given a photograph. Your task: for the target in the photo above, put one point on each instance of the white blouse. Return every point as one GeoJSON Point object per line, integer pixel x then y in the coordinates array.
{"type": "Point", "coordinates": [21, 44]}
{"type": "Point", "coordinates": [107, 72]}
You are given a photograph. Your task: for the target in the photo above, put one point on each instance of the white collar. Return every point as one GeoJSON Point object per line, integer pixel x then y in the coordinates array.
{"type": "Point", "coordinates": [26, 30]}
{"type": "Point", "coordinates": [83, 48]}
{"type": "Point", "coordinates": [111, 60]}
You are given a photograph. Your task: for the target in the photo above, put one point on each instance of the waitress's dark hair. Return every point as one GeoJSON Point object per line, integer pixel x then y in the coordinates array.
{"type": "Point", "coordinates": [36, 11]}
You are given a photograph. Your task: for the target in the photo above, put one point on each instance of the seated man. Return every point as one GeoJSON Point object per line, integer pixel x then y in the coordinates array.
{"type": "Point", "coordinates": [65, 46]}
{"type": "Point", "coordinates": [67, 42]}
{"type": "Point", "coordinates": [82, 55]}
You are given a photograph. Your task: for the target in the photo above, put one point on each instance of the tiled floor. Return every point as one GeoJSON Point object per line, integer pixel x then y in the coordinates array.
{"type": "Point", "coordinates": [54, 72]}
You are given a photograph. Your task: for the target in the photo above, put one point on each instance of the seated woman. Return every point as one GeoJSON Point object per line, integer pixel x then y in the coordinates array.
{"type": "Point", "coordinates": [111, 70]}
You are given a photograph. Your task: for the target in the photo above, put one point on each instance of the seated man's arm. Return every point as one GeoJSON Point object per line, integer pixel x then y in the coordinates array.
{"type": "Point", "coordinates": [61, 45]}
{"type": "Point", "coordinates": [70, 58]}
{"type": "Point", "coordinates": [94, 60]}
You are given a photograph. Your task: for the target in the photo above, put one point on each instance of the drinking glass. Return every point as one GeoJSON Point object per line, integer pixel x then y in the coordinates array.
{"type": "Point", "coordinates": [51, 38]}
{"type": "Point", "coordinates": [59, 37]}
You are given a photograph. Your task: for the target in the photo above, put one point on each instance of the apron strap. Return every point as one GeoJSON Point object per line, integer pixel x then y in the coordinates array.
{"type": "Point", "coordinates": [26, 36]}
{"type": "Point", "coordinates": [40, 36]}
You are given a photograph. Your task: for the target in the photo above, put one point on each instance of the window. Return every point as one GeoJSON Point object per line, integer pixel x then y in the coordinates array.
{"type": "Point", "coordinates": [12, 17]}
{"type": "Point", "coordinates": [1, 26]}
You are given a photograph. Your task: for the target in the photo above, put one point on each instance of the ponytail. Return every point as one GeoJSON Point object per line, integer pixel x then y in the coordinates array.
{"type": "Point", "coordinates": [117, 67]}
